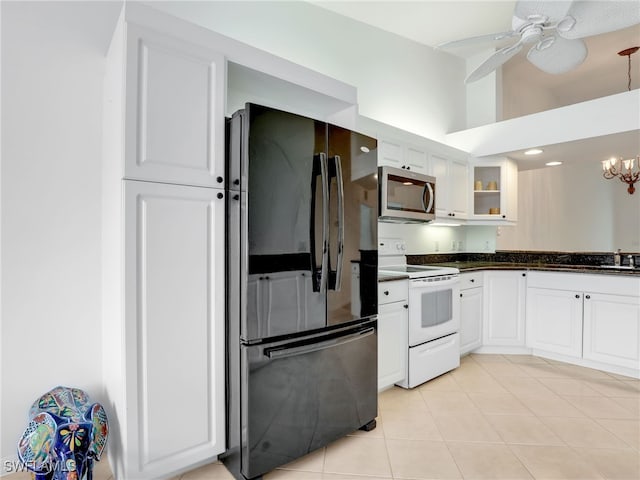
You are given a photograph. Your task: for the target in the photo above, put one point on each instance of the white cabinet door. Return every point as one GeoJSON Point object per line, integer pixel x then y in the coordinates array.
{"type": "Point", "coordinates": [470, 319]}
{"type": "Point", "coordinates": [174, 110]}
{"type": "Point", "coordinates": [395, 153]}
{"type": "Point", "coordinates": [504, 308]}
{"type": "Point", "coordinates": [459, 188]}
{"type": "Point", "coordinates": [416, 159]}
{"type": "Point", "coordinates": [452, 183]}
{"type": "Point", "coordinates": [393, 343]}
{"type": "Point", "coordinates": [612, 329]}
{"type": "Point", "coordinates": [390, 153]}
{"type": "Point", "coordinates": [554, 321]}
{"type": "Point", "coordinates": [174, 327]}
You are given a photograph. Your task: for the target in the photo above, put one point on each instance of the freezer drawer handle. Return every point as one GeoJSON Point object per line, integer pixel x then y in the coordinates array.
{"type": "Point", "coordinates": [282, 352]}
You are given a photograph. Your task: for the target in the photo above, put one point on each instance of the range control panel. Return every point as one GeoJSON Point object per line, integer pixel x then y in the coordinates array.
{"type": "Point", "coordinates": [391, 246]}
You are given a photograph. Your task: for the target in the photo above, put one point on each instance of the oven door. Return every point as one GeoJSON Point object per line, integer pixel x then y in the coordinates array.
{"type": "Point", "coordinates": [434, 308]}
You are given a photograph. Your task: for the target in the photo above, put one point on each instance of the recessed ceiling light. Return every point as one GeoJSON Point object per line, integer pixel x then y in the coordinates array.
{"type": "Point", "coordinates": [364, 149]}
{"type": "Point", "coordinates": [553, 164]}
{"type": "Point", "coordinates": [534, 151]}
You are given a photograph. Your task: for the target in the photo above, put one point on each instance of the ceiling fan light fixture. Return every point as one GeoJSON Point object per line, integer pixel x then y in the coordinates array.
{"type": "Point", "coordinates": [566, 24]}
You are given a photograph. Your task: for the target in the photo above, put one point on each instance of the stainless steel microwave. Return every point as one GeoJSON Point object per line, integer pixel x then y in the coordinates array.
{"type": "Point", "coordinates": [406, 196]}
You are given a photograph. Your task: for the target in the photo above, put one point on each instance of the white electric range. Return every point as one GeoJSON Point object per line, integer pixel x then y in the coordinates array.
{"type": "Point", "coordinates": [434, 313]}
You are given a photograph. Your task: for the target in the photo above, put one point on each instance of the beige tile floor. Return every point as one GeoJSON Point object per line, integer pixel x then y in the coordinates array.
{"type": "Point", "coordinates": [496, 417]}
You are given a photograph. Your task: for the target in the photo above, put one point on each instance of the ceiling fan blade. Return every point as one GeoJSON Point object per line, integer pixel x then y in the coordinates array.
{"type": "Point", "coordinates": [586, 18]}
{"type": "Point", "coordinates": [553, 10]}
{"type": "Point", "coordinates": [478, 40]}
{"type": "Point", "coordinates": [493, 62]}
{"type": "Point", "coordinates": [557, 55]}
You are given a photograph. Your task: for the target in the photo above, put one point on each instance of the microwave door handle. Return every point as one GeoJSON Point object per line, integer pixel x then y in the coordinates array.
{"type": "Point", "coordinates": [340, 186]}
{"type": "Point", "coordinates": [325, 223]}
{"type": "Point", "coordinates": [427, 186]}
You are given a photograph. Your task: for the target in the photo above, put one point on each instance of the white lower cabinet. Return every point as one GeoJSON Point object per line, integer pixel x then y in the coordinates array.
{"type": "Point", "coordinates": [504, 308]}
{"type": "Point", "coordinates": [554, 321]}
{"type": "Point", "coordinates": [393, 332]}
{"type": "Point", "coordinates": [612, 329]}
{"type": "Point", "coordinates": [471, 292]}
{"type": "Point", "coordinates": [171, 334]}
{"type": "Point", "coordinates": [592, 318]}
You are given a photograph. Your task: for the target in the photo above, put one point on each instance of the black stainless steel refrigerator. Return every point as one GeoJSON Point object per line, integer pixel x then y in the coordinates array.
{"type": "Point", "coordinates": [302, 334]}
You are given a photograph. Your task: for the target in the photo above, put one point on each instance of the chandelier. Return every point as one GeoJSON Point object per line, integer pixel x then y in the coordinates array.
{"type": "Point", "coordinates": [628, 171]}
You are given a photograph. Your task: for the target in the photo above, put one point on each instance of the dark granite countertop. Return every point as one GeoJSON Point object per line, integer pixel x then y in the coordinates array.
{"type": "Point", "coordinates": [471, 266]}
{"type": "Point", "coordinates": [575, 262]}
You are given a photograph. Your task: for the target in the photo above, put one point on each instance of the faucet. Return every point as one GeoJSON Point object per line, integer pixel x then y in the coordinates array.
{"type": "Point", "coordinates": [632, 262]}
{"type": "Point", "coordinates": [616, 258]}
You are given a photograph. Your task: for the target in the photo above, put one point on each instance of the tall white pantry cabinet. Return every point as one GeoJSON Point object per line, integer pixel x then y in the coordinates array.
{"type": "Point", "coordinates": [163, 252]}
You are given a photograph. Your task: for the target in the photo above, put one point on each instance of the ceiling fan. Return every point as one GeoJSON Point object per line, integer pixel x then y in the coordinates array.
{"type": "Point", "coordinates": [554, 29]}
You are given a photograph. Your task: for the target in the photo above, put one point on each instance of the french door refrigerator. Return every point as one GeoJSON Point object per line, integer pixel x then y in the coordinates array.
{"type": "Point", "coordinates": [302, 337]}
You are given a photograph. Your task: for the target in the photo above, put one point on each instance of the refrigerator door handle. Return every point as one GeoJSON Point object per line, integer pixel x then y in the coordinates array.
{"type": "Point", "coordinates": [340, 186]}
{"type": "Point", "coordinates": [324, 268]}
{"type": "Point", "coordinates": [282, 352]}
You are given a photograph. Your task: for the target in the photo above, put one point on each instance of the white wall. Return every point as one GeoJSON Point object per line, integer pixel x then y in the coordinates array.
{"type": "Point", "coordinates": [572, 208]}
{"type": "Point", "coordinates": [400, 82]}
{"type": "Point", "coordinates": [52, 69]}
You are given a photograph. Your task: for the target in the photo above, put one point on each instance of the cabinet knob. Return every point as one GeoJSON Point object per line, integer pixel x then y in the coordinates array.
{"type": "Point", "coordinates": [524, 274]}
{"type": "Point", "coordinates": [453, 214]}
{"type": "Point", "coordinates": [219, 179]}
{"type": "Point", "coordinates": [236, 197]}
{"type": "Point", "coordinates": [408, 168]}
{"type": "Point", "coordinates": [236, 181]}
{"type": "Point", "coordinates": [577, 296]}
{"type": "Point", "coordinates": [504, 216]}
{"type": "Point", "coordinates": [460, 295]}
{"type": "Point", "coordinates": [220, 195]}
{"type": "Point", "coordinates": [403, 166]}
{"type": "Point", "coordinates": [472, 280]}
{"type": "Point", "coordinates": [406, 305]}
{"type": "Point", "coordinates": [386, 292]}
{"type": "Point", "coordinates": [587, 297]}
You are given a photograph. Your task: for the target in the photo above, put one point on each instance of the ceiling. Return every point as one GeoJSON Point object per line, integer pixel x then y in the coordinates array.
{"type": "Point", "coordinates": [603, 73]}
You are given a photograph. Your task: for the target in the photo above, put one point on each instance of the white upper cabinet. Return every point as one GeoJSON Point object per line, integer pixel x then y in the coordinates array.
{"type": "Point", "coordinates": [394, 153]}
{"type": "Point", "coordinates": [173, 109]}
{"type": "Point", "coordinates": [494, 186]}
{"type": "Point", "coordinates": [452, 180]}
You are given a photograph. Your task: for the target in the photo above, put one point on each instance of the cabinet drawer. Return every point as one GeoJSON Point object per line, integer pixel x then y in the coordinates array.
{"type": "Point", "coordinates": [395, 291]}
{"type": "Point", "coordinates": [471, 280]}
